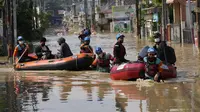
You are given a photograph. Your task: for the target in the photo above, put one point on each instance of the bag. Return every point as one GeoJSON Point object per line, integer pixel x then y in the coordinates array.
{"type": "Point", "coordinates": [171, 56]}
{"type": "Point", "coordinates": [143, 52]}
{"type": "Point", "coordinates": [169, 53]}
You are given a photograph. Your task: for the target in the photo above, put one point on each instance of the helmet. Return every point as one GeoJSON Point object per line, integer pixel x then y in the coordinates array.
{"type": "Point", "coordinates": [87, 39]}
{"type": "Point", "coordinates": [43, 39]}
{"type": "Point", "coordinates": [98, 50]}
{"type": "Point", "coordinates": [86, 32]}
{"type": "Point", "coordinates": [151, 50]}
{"type": "Point", "coordinates": [157, 35]}
{"type": "Point", "coordinates": [61, 40]}
{"type": "Point", "coordinates": [20, 38]}
{"type": "Point", "coordinates": [119, 35]}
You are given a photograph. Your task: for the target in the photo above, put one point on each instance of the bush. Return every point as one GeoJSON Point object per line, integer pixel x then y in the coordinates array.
{"type": "Point", "coordinates": [151, 38]}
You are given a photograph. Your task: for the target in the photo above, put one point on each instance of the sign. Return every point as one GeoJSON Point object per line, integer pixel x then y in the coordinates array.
{"type": "Point", "coordinates": [122, 26]}
{"type": "Point", "coordinates": [121, 11]}
{"type": "Point", "coordinates": [155, 17]}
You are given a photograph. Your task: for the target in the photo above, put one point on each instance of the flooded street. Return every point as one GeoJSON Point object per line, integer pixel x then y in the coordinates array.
{"type": "Point", "coordinates": [91, 91]}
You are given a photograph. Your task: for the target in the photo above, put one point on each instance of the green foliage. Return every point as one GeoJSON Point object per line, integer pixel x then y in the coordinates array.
{"type": "Point", "coordinates": [44, 21]}
{"type": "Point", "coordinates": [157, 3]}
{"type": "Point", "coordinates": [25, 21]}
{"type": "Point", "coordinates": [2, 3]}
{"type": "Point", "coordinates": [151, 38]}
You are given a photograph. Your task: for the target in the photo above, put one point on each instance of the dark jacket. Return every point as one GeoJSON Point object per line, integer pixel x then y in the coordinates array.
{"type": "Point", "coordinates": [81, 37]}
{"type": "Point", "coordinates": [119, 52]}
{"type": "Point", "coordinates": [164, 50]}
{"type": "Point", "coordinates": [39, 50]}
{"type": "Point", "coordinates": [64, 51]}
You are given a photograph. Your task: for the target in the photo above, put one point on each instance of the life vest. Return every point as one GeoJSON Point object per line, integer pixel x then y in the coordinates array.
{"type": "Point", "coordinates": [151, 68]}
{"type": "Point", "coordinates": [104, 61]}
{"type": "Point", "coordinates": [21, 50]}
{"type": "Point", "coordinates": [86, 49]}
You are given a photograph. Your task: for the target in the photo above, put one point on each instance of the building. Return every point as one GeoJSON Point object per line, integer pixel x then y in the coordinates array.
{"type": "Point", "coordinates": [181, 28]}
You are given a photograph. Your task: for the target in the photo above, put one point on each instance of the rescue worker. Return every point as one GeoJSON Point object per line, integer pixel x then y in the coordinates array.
{"type": "Point", "coordinates": [64, 50]}
{"type": "Point", "coordinates": [85, 47]}
{"type": "Point", "coordinates": [42, 51]}
{"type": "Point", "coordinates": [84, 33]}
{"type": "Point", "coordinates": [164, 52]}
{"type": "Point", "coordinates": [103, 60]}
{"type": "Point", "coordinates": [153, 66]}
{"type": "Point", "coordinates": [21, 51]}
{"type": "Point", "coordinates": [119, 50]}
{"type": "Point", "coordinates": [157, 40]}
{"type": "Point", "coordinates": [88, 31]}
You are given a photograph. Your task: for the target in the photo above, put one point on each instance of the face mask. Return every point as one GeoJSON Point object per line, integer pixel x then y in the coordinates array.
{"type": "Point", "coordinates": [21, 42]}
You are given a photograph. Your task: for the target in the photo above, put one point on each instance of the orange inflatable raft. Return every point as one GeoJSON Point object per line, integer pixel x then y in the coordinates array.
{"type": "Point", "coordinates": [76, 62]}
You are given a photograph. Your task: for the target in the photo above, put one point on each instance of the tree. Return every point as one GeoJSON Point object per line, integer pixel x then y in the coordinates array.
{"type": "Point", "coordinates": [26, 23]}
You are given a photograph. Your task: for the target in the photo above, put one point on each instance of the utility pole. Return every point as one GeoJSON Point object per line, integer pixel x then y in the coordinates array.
{"type": "Point", "coordinates": [191, 22]}
{"type": "Point", "coordinates": [93, 16]}
{"type": "Point", "coordinates": [15, 21]}
{"type": "Point", "coordinates": [198, 20]}
{"type": "Point", "coordinates": [138, 18]}
{"type": "Point", "coordinates": [10, 27]}
{"type": "Point", "coordinates": [3, 14]}
{"type": "Point", "coordinates": [163, 20]}
{"type": "Point", "coordinates": [86, 13]}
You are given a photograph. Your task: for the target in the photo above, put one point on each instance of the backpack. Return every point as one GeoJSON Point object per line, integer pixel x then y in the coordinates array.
{"type": "Point", "coordinates": [169, 53]}
{"type": "Point", "coordinates": [171, 56]}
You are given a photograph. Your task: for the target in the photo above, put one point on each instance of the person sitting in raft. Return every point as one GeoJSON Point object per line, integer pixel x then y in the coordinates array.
{"type": "Point", "coordinates": [153, 66]}
{"type": "Point", "coordinates": [119, 50]}
{"type": "Point", "coordinates": [85, 47]}
{"type": "Point", "coordinates": [164, 52]}
{"type": "Point", "coordinates": [103, 60]}
{"type": "Point", "coordinates": [21, 51]}
{"type": "Point", "coordinates": [42, 51]}
{"type": "Point", "coordinates": [64, 50]}
{"type": "Point", "coordinates": [157, 40]}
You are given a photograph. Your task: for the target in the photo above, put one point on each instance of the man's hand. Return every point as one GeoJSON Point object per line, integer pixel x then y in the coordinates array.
{"type": "Point", "coordinates": [156, 77]}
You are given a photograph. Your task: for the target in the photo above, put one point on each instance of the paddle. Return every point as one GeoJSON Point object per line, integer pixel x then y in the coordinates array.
{"type": "Point", "coordinates": [22, 55]}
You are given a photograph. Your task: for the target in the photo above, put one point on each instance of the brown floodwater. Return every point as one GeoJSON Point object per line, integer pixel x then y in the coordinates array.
{"type": "Point", "coordinates": [91, 91]}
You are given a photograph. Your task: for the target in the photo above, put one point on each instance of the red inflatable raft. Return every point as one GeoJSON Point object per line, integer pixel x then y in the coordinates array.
{"type": "Point", "coordinates": [76, 62]}
{"type": "Point", "coordinates": [135, 70]}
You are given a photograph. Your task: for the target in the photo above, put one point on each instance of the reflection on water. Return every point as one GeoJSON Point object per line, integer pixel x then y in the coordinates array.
{"type": "Point", "coordinates": [90, 91]}
{"type": "Point", "coordinates": [48, 92]}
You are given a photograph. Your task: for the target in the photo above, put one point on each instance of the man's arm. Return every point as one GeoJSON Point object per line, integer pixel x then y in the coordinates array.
{"type": "Point", "coordinates": [116, 50]}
